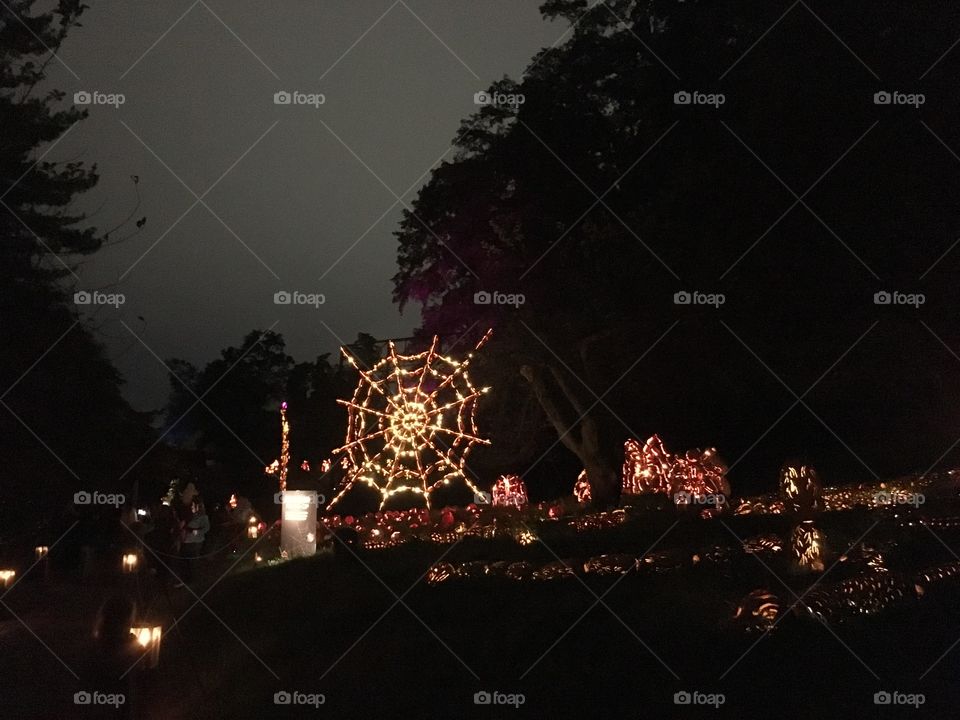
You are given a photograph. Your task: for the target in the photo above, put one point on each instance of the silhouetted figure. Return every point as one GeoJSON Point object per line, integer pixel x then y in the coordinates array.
{"type": "Point", "coordinates": [115, 651]}
{"type": "Point", "coordinates": [164, 540]}
{"type": "Point", "coordinates": [194, 533]}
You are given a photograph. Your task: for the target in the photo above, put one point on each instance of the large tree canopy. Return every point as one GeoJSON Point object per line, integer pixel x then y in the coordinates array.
{"type": "Point", "coordinates": [63, 422]}
{"type": "Point", "coordinates": [229, 410]}
{"type": "Point", "coordinates": [798, 198]}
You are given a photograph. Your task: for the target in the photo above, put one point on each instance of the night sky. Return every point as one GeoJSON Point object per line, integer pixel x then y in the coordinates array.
{"type": "Point", "coordinates": [292, 206]}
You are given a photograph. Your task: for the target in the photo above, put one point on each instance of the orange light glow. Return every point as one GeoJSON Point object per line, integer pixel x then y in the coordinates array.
{"type": "Point", "coordinates": [410, 424]}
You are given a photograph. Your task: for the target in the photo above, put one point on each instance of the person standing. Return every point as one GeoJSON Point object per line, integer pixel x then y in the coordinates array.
{"type": "Point", "coordinates": [194, 533]}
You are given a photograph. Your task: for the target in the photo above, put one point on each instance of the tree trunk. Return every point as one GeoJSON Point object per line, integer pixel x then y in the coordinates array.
{"type": "Point", "coordinates": [581, 436]}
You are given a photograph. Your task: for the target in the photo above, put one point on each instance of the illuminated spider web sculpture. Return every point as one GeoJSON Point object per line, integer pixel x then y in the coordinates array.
{"type": "Point", "coordinates": [410, 424]}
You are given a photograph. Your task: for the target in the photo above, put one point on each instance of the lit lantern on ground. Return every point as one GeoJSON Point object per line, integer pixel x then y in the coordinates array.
{"type": "Point", "coordinates": [692, 476]}
{"type": "Point", "coordinates": [807, 547]}
{"type": "Point", "coordinates": [299, 523]}
{"type": "Point", "coordinates": [42, 553]}
{"type": "Point", "coordinates": [510, 491]}
{"type": "Point", "coordinates": [148, 637]}
{"type": "Point", "coordinates": [581, 489]}
{"type": "Point", "coordinates": [801, 489]}
{"type": "Point", "coordinates": [129, 563]}
{"type": "Point", "coordinates": [700, 475]}
{"type": "Point", "coordinates": [253, 529]}
{"type": "Point", "coordinates": [647, 467]}
{"type": "Point", "coordinates": [6, 578]}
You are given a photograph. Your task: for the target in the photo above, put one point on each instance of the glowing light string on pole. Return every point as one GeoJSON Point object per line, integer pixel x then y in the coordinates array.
{"type": "Point", "coordinates": [410, 424]}
{"type": "Point", "coordinates": [280, 467]}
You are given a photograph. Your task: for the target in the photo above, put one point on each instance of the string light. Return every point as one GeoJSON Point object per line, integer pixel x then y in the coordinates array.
{"type": "Point", "coordinates": [510, 491]}
{"type": "Point", "coordinates": [410, 424]}
{"type": "Point", "coordinates": [279, 467]}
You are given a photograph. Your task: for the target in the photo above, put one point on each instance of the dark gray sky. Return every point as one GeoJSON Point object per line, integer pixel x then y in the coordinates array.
{"type": "Point", "coordinates": [293, 201]}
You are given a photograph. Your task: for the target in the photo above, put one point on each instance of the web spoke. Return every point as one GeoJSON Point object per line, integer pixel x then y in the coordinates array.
{"type": "Point", "coordinates": [398, 453]}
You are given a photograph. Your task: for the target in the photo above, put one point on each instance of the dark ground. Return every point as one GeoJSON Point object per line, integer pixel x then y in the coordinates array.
{"type": "Point", "coordinates": [307, 621]}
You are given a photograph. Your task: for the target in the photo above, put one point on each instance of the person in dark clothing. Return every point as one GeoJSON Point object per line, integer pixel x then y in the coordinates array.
{"type": "Point", "coordinates": [194, 533]}
{"type": "Point", "coordinates": [164, 540]}
{"type": "Point", "coordinates": [115, 651]}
